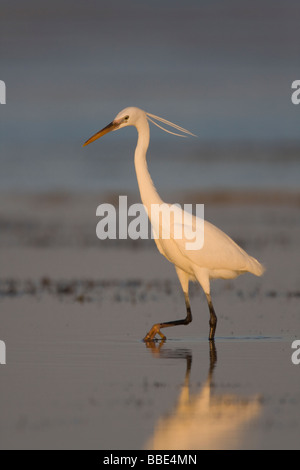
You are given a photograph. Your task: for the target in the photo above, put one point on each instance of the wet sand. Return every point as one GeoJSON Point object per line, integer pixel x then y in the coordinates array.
{"type": "Point", "coordinates": [73, 311]}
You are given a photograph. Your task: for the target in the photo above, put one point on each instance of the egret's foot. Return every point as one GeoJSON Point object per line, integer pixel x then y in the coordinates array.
{"type": "Point", "coordinates": [155, 346]}
{"type": "Point", "coordinates": [155, 330]}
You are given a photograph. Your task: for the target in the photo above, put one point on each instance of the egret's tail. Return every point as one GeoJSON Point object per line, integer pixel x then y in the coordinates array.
{"type": "Point", "coordinates": [255, 267]}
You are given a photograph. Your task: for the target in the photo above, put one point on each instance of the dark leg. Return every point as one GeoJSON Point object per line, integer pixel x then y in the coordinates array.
{"type": "Point", "coordinates": [212, 358]}
{"type": "Point", "coordinates": [155, 330]}
{"type": "Point", "coordinates": [213, 318]}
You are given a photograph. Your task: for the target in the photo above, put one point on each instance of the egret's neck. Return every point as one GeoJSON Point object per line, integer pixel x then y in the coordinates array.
{"type": "Point", "coordinates": [147, 189]}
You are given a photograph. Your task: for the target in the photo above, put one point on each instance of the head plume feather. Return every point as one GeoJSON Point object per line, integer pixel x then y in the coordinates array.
{"type": "Point", "coordinates": [152, 118]}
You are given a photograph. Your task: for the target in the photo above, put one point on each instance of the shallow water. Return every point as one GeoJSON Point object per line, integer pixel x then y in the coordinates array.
{"type": "Point", "coordinates": [73, 312]}
{"type": "Point", "coordinates": [60, 391]}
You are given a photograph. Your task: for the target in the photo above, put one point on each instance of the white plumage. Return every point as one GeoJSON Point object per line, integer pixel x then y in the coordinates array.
{"type": "Point", "coordinates": [219, 257]}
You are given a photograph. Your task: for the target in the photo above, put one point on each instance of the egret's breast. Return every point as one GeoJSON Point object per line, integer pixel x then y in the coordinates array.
{"type": "Point", "coordinates": [169, 250]}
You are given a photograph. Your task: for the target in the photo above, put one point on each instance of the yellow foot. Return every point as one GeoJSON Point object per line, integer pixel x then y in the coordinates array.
{"type": "Point", "coordinates": [155, 330]}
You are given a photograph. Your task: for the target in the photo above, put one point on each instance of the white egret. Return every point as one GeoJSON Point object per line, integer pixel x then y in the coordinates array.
{"type": "Point", "coordinates": [220, 256]}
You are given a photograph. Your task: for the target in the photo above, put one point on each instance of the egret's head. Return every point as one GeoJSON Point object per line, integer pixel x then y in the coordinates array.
{"type": "Point", "coordinates": [127, 117]}
{"type": "Point", "coordinates": [135, 117]}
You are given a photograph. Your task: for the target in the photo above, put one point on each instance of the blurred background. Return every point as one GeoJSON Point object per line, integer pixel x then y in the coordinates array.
{"type": "Point", "coordinates": [220, 69]}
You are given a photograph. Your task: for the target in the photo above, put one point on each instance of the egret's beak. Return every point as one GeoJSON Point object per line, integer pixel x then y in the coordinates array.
{"type": "Point", "coordinates": [111, 127]}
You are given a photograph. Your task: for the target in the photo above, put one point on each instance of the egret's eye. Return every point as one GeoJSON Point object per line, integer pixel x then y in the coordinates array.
{"type": "Point", "coordinates": [126, 118]}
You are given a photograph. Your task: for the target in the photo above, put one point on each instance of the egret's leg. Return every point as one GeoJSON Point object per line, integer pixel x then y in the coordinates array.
{"type": "Point", "coordinates": [213, 318]}
{"type": "Point", "coordinates": [155, 330]}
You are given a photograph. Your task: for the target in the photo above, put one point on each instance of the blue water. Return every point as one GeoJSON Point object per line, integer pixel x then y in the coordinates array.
{"type": "Point", "coordinates": [221, 69]}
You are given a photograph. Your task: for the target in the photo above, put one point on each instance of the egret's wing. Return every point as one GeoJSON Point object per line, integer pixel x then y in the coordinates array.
{"type": "Point", "coordinates": [219, 251]}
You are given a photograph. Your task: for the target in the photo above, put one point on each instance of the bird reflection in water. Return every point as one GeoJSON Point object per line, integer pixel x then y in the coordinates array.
{"type": "Point", "coordinates": [202, 420]}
